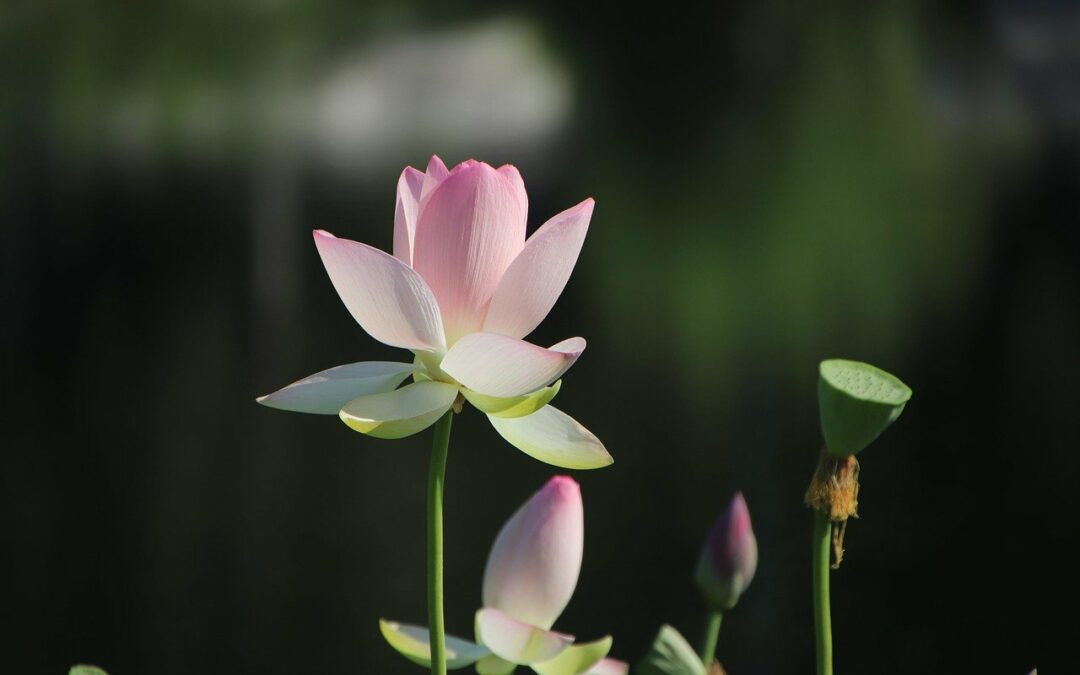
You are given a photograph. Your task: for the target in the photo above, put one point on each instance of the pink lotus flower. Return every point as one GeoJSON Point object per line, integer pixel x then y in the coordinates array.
{"type": "Point", "coordinates": [461, 291]}
{"type": "Point", "coordinates": [531, 574]}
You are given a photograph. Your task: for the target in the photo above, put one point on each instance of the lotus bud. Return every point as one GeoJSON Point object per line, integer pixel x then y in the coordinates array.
{"type": "Point", "coordinates": [729, 559]}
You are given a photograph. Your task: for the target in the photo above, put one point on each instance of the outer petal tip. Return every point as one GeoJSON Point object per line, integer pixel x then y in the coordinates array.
{"type": "Point", "coordinates": [564, 486]}
{"type": "Point", "coordinates": [585, 205]}
{"type": "Point", "coordinates": [437, 166]}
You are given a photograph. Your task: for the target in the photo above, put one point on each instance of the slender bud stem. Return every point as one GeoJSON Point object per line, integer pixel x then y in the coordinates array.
{"type": "Point", "coordinates": [436, 479]}
{"type": "Point", "coordinates": [712, 635]}
{"type": "Point", "coordinates": [822, 547]}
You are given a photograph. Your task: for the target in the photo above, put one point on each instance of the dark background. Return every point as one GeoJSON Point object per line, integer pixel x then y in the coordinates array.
{"type": "Point", "coordinates": [775, 183]}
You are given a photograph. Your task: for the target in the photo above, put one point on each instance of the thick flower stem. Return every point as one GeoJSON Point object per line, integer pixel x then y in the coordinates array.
{"type": "Point", "coordinates": [436, 480]}
{"type": "Point", "coordinates": [822, 547]}
{"type": "Point", "coordinates": [712, 635]}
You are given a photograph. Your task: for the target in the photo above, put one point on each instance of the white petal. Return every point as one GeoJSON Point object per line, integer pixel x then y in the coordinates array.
{"type": "Point", "coordinates": [577, 659]}
{"type": "Point", "coordinates": [401, 412]}
{"type": "Point", "coordinates": [414, 643]}
{"type": "Point", "coordinates": [500, 366]}
{"type": "Point", "coordinates": [516, 641]}
{"type": "Point", "coordinates": [554, 437]}
{"type": "Point", "coordinates": [535, 280]}
{"type": "Point", "coordinates": [325, 392]}
{"type": "Point", "coordinates": [385, 296]}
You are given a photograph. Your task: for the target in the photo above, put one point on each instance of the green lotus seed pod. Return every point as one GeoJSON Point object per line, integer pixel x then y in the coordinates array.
{"type": "Point", "coordinates": [857, 401]}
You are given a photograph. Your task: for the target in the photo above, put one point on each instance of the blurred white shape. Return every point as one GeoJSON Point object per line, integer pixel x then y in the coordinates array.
{"type": "Point", "coordinates": [479, 90]}
{"type": "Point", "coordinates": [474, 90]}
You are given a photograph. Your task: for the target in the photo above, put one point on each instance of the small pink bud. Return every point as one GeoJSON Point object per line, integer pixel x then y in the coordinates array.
{"type": "Point", "coordinates": [729, 559]}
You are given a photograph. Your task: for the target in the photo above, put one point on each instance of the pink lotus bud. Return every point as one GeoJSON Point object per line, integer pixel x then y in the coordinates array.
{"type": "Point", "coordinates": [730, 556]}
{"type": "Point", "coordinates": [534, 563]}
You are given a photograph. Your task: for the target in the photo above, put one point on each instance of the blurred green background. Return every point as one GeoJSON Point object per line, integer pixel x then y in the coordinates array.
{"type": "Point", "coordinates": [776, 183]}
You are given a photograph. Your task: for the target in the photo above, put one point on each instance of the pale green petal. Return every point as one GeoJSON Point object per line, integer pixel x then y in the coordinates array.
{"type": "Point", "coordinates": [399, 413]}
{"type": "Point", "coordinates": [516, 641]}
{"type": "Point", "coordinates": [577, 659]}
{"type": "Point", "coordinates": [425, 363]}
{"type": "Point", "coordinates": [670, 654]}
{"type": "Point", "coordinates": [413, 642]}
{"type": "Point", "coordinates": [86, 670]}
{"type": "Point", "coordinates": [554, 437]}
{"type": "Point", "coordinates": [493, 665]}
{"type": "Point", "coordinates": [515, 406]}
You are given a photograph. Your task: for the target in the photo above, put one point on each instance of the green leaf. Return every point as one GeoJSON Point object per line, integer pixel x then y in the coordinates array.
{"type": "Point", "coordinates": [670, 654]}
{"type": "Point", "coordinates": [857, 402]}
{"type": "Point", "coordinates": [413, 642]}
{"type": "Point", "coordinates": [576, 659]}
{"type": "Point", "coordinates": [86, 670]}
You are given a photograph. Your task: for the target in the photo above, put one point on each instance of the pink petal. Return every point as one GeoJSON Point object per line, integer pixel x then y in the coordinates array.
{"type": "Point", "coordinates": [533, 282]}
{"type": "Point", "coordinates": [518, 641]}
{"type": "Point", "coordinates": [511, 173]}
{"type": "Point", "coordinates": [534, 563]}
{"type": "Point", "coordinates": [609, 667]}
{"type": "Point", "coordinates": [405, 213]}
{"type": "Point", "coordinates": [386, 297]}
{"type": "Point", "coordinates": [501, 366]}
{"type": "Point", "coordinates": [469, 231]}
{"type": "Point", "coordinates": [436, 174]}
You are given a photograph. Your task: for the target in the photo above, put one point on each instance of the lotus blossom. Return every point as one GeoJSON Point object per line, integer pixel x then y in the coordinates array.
{"type": "Point", "coordinates": [531, 574]}
{"type": "Point", "coordinates": [461, 291]}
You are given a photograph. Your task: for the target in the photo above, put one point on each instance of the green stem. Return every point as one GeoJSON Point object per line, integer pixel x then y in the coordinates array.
{"type": "Point", "coordinates": [822, 614]}
{"type": "Point", "coordinates": [436, 479]}
{"type": "Point", "coordinates": [712, 635]}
